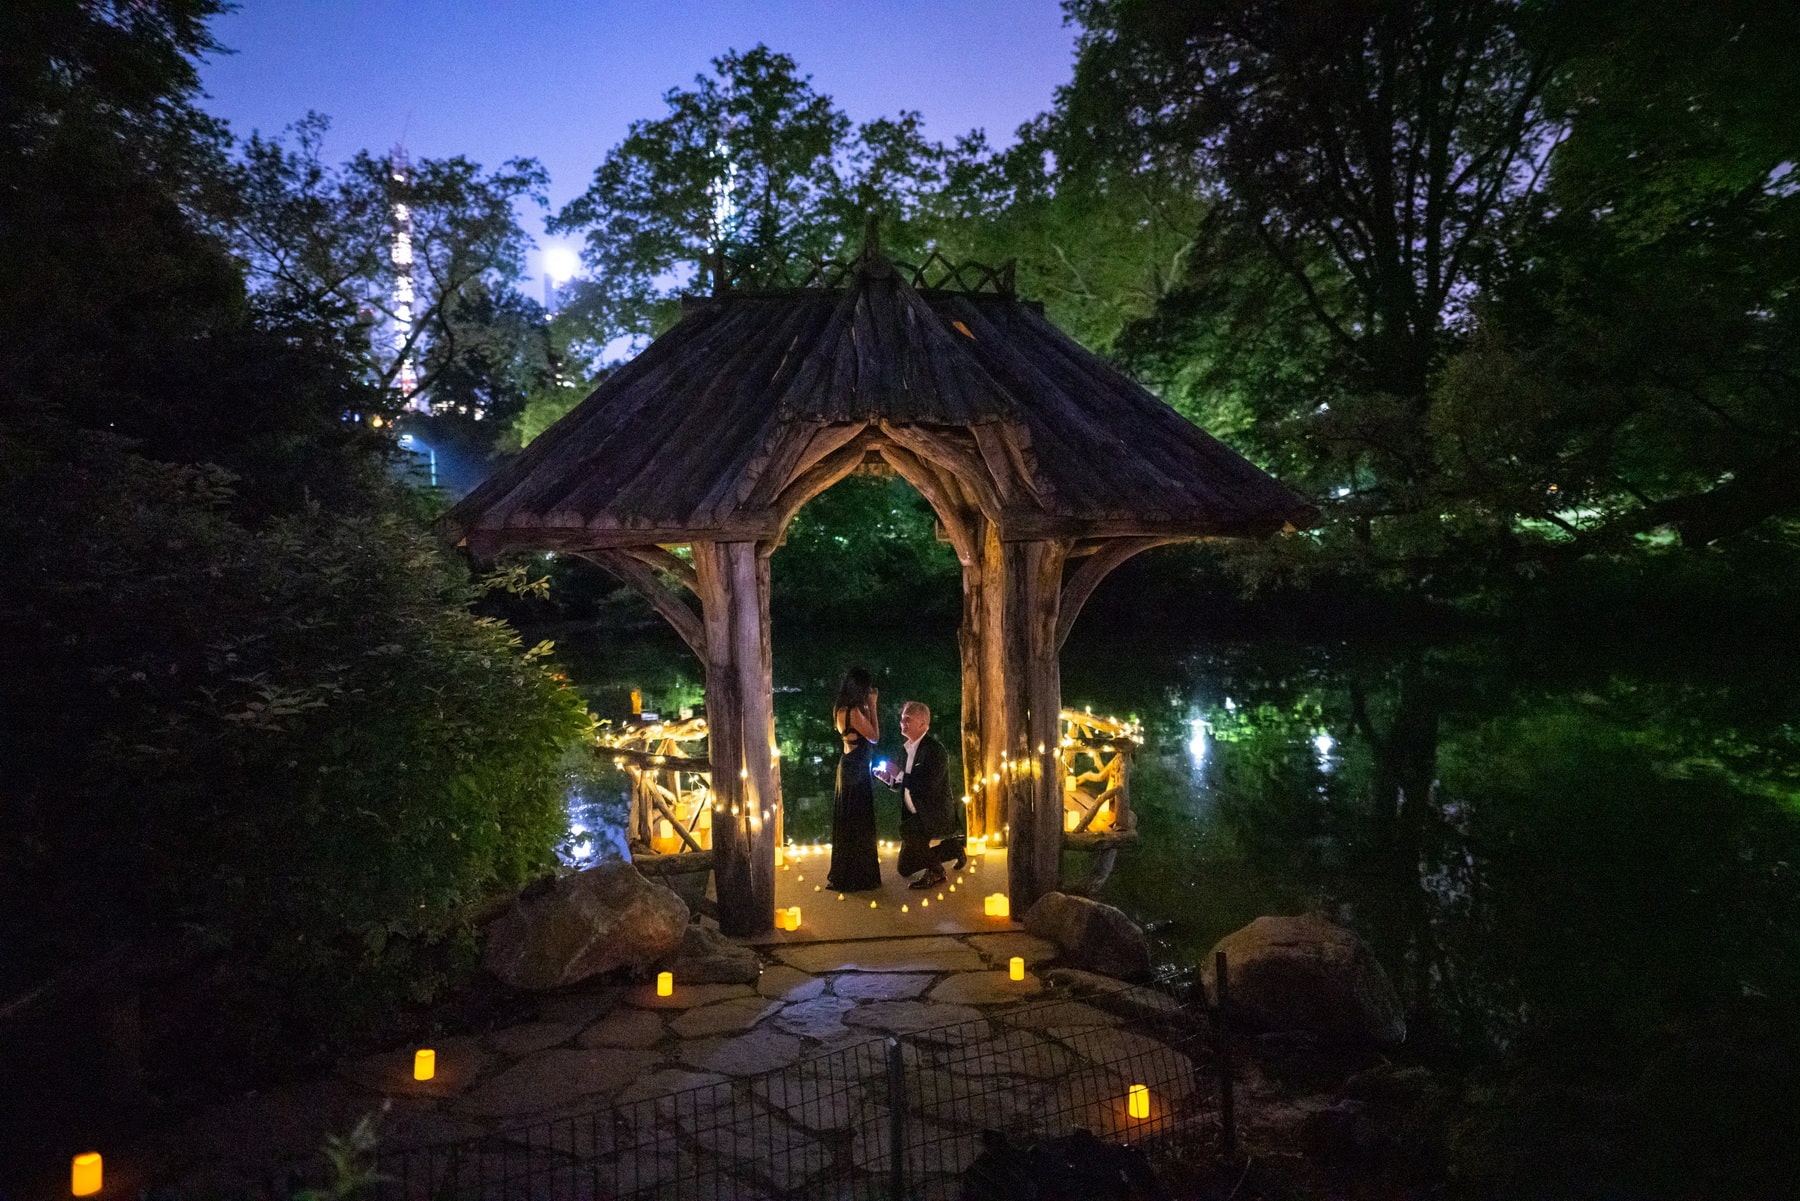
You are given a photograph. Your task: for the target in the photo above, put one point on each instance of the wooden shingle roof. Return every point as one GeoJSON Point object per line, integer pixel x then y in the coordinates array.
{"type": "Point", "coordinates": [697, 437]}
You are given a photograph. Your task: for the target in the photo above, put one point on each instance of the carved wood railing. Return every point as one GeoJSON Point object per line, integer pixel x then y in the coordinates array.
{"type": "Point", "coordinates": [732, 274]}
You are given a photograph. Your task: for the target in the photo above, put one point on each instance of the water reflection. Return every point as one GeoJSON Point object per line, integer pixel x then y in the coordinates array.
{"type": "Point", "coordinates": [1503, 839]}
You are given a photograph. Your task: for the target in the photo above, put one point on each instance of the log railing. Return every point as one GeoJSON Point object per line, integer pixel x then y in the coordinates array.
{"type": "Point", "coordinates": [671, 793]}
{"type": "Point", "coordinates": [671, 784]}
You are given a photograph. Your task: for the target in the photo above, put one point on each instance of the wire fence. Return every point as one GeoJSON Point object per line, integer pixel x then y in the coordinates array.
{"type": "Point", "coordinates": [900, 1117]}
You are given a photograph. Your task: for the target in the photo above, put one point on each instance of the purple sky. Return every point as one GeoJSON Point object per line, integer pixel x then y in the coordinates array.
{"type": "Point", "coordinates": [560, 80]}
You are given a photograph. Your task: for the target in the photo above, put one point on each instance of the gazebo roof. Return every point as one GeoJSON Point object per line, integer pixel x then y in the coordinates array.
{"type": "Point", "coordinates": [703, 434]}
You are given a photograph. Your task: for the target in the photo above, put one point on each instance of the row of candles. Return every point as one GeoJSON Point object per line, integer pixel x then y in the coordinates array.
{"type": "Point", "coordinates": [86, 1172]}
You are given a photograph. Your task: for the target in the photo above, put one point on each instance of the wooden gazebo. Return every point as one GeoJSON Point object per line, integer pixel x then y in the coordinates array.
{"type": "Point", "coordinates": [1046, 467]}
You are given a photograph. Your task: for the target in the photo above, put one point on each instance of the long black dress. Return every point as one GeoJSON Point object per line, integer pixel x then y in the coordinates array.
{"type": "Point", "coordinates": [855, 865]}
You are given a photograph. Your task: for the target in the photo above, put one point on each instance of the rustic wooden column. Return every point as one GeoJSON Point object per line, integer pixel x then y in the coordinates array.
{"type": "Point", "coordinates": [733, 581]}
{"type": "Point", "coordinates": [1031, 699]}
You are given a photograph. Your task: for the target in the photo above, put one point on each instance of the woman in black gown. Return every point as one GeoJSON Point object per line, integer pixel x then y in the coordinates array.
{"type": "Point", "coordinates": [855, 866]}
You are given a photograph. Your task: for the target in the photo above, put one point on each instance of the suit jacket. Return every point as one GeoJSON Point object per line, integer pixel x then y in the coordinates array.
{"type": "Point", "coordinates": [929, 781]}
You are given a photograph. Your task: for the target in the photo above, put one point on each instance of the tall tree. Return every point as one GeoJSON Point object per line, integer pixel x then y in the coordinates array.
{"type": "Point", "coordinates": [321, 241]}
{"type": "Point", "coordinates": [752, 163]}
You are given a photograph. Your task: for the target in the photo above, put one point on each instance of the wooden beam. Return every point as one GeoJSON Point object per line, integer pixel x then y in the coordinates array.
{"type": "Point", "coordinates": [950, 514]}
{"type": "Point", "coordinates": [668, 563]}
{"type": "Point", "coordinates": [1096, 567]}
{"type": "Point", "coordinates": [642, 579]}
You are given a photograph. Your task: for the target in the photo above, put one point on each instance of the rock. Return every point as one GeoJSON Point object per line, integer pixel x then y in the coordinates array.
{"type": "Point", "coordinates": [583, 924]}
{"type": "Point", "coordinates": [1308, 974]}
{"type": "Point", "coordinates": [707, 957]}
{"type": "Point", "coordinates": [1127, 1000]}
{"type": "Point", "coordinates": [1092, 935]}
{"type": "Point", "coordinates": [784, 983]}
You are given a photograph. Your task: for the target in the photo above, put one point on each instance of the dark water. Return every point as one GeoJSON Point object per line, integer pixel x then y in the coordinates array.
{"type": "Point", "coordinates": [1474, 810]}
{"type": "Point", "coordinates": [1578, 867]}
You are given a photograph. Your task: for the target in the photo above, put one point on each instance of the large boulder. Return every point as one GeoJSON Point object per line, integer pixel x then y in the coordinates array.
{"type": "Point", "coordinates": [1307, 974]}
{"type": "Point", "coordinates": [1091, 935]}
{"type": "Point", "coordinates": [583, 924]}
{"type": "Point", "coordinates": [707, 957]}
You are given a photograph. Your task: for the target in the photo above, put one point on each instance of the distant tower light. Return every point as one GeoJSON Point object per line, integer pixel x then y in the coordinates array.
{"type": "Point", "coordinates": [406, 378]}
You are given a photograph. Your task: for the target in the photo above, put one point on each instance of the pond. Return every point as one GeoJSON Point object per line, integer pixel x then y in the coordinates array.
{"type": "Point", "coordinates": [1500, 826]}
{"type": "Point", "coordinates": [1577, 866]}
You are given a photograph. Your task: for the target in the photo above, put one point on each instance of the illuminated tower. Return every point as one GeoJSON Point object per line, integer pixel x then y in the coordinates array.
{"type": "Point", "coordinates": [406, 378]}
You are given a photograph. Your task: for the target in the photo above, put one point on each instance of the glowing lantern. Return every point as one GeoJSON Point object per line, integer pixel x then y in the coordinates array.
{"type": "Point", "coordinates": [996, 904]}
{"type": "Point", "coordinates": [1016, 967]}
{"type": "Point", "coordinates": [1137, 1101]}
{"type": "Point", "coordinates": [424, 1063]}
{"type": "Point", "coordinates": [84, 1174]}
{"type": "Point", "coordinates": [665, 984]}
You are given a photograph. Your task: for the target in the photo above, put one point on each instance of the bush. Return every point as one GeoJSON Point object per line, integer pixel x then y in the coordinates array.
{"type": "Point", "coordinates": [291, 738]}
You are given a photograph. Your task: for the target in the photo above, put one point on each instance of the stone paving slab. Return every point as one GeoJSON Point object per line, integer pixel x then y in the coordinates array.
{"type": "Point", "coordinates": [1059, 1015]}
{"type": "Point", "coordinates": [783, 983]}
{"type": "Point", "coordinates": [686, 996]}
{"type": "Point", "coordinates": [883, 955]}
{"type": "Point", "coordinates": [625, 1028]}
{"type": "Point", "coordinates": [665, 1083]}
{"type": "Point", "coordinates": [910, 1017]}
{"type": "Point", "coordinates": [881, 986]}
{"type": "Point", "coordinates": [533, 1036]}
{"type": "Point", "coordinates": [761, 1050]}
{"type": "Point", "coordinates": [555, 1077]}
{"type": "Point", "coordinates": [821, 1018]}
{"type": "Point", "coordinates": [725, 1017]}
{"type": "Point", "coordinates": [460, 1062]}
{"type": "Point", "coordinates": [986, 988]}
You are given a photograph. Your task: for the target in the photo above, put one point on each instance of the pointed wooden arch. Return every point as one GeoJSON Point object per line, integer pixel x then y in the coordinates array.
{"type": "Point", "coordinates": [1046, 467]}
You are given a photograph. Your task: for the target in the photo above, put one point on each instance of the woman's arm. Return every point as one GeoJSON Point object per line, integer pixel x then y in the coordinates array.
{"type": "Point", "coordinates": [864, 721]}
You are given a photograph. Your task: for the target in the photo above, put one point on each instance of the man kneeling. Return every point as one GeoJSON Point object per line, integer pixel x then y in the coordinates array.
{"type": "Point", "coordinates": [930, 825]}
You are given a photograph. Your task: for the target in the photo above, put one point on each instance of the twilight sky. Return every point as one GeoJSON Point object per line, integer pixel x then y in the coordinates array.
{"type": "Point", "coordinates": [561, 80]}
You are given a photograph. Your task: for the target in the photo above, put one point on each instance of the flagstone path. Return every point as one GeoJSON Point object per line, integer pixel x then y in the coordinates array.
{"type": "Point", "coordinates": [593, 1047]}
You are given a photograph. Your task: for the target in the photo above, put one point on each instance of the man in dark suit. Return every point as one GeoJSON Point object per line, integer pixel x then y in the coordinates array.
{"type": "Point", "coordinates": [930, 822]}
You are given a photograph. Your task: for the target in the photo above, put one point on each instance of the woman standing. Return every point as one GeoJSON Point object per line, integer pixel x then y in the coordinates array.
{"type": "Point", "coordinates": [855, 866]}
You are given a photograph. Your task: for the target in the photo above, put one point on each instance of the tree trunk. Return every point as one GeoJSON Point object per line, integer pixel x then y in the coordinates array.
{"type": "Point", "coordinates": [1031, 684]}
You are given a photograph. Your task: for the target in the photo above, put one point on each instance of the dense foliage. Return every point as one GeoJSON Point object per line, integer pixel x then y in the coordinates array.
{"type": "Point", "coordinates": [245, 697]}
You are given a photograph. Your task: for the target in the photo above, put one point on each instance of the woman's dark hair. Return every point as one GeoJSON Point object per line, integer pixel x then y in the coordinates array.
{"type": "Point", "coordinates": [853, 693]}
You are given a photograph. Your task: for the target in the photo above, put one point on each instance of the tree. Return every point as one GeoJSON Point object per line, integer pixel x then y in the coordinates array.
{"type": "Point", "coordinates": [752, 163]}
{"type": "Point", "coordinates": [321, 241]}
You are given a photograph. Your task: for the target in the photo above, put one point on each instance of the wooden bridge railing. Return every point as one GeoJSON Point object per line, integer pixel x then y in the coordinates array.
{"type": "Point", "coordinates": [671, 796]}
{"type": "Point", "coordinates": [671, 784]}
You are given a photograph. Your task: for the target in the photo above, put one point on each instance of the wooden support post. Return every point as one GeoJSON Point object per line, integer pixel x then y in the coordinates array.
{"type": "Point", "coordinates": [733, 579]}
{"type": "Point", "coordinates": [1032, 689]}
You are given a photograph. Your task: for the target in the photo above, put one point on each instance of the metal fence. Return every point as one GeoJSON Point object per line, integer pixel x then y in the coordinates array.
{"type": "Point", "coordinates": [889, 1118]}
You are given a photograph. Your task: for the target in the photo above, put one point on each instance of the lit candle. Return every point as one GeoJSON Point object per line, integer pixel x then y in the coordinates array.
{"type": "Point", "coordinates": [1016, 967]}
{"type": "Point", "coordinates": [1137, 1102]}
{"type": "Point", "coordinates": [665, 984]}
{"type": "Point", "coordinates": [1071, 819]}
{"type": "Point", "coordinates": [790, 918]}
{"type": "Point", "coordinates": [780, 857]}
{"type": "Point", "coordinates": [871, 904]}
{"type": "Point", "coordinates": [997, 904]}
{"type": "Point", "coordinates": [424, 1063]}
{"type": "Point", "coordinates": [84, 1174]}
{"type": "Point", "coordinates": [905, 909]}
